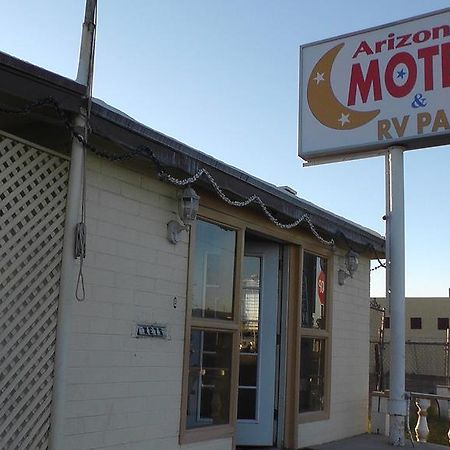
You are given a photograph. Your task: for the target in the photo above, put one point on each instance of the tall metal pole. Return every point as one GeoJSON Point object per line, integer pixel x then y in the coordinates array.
{"type": "Point", "coordinates": [69, 264]}
{"type": "Point", "coordinates": [395, 291]}
{"type": "Point", "coordinates": [447, 356]}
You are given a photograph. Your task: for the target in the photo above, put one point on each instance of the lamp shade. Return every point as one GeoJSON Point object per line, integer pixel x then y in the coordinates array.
{"type": "Point", "coordinates": [352, 262]}
{"type": "Point", "coordinates": [188, 205]}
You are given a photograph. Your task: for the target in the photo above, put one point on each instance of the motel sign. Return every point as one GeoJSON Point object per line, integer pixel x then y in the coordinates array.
{"type": "Point", "coordinates": [363, 92]}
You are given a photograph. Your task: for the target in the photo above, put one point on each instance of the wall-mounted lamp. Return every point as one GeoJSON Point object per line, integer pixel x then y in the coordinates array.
{"type": "Point", "coordinates": [351, 264]}
{"type": "Point", "coordinates": [188, 203]}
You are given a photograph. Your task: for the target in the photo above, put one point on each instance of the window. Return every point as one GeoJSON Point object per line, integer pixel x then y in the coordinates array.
{"type": "Point", "coordinates": [314, 335]}
{"type": "Point", "coordinates": [249, 337]}
{"type": "Point", "coordinates": [416, 323]}
{"type": "Point", "coordinates": [387, 322]}
{"type": "Point", "coordinates": [442, 323]}
{"type": "Point", "coordinates": [313, 291]}
{"type": "Point", "coordinates": [209, 378]}
{"type": "Point", "coordinates": [312, 374]}
{"type": "Point", "coordinates": [212, 331]}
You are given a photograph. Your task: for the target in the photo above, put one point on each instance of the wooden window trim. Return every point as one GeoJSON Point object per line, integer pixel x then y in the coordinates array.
{"type": "Point", "coordinates": [313, 416]}
{"type": "Point", "coordinates": [213, 324]}
{"type": "Point", "coordinates": [238, 219]}
{"type": "Point", "coordinates": [207, 434]}
{"type": "Point", "coordinates": [189, 436]}
{"type": "Point", "coordinates": [293, 348]}
{"type": "Point", "coordinates": [325, 334]}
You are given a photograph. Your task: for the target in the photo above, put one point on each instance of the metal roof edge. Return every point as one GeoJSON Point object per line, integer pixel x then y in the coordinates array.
{"type": "Point", "coordinates": [10, 62]}
{"type": "Point", "coordinates": [109, 113]}
{"type": "Point", "coordinates": [287, 203]}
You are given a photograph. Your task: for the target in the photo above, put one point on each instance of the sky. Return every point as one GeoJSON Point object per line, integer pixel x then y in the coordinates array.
{"type": "Point", "coordinates": [222, 77]}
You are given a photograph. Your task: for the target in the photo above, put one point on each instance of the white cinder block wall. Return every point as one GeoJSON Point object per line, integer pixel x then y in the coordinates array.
{"type": "Point", "coordinates": [349, 362]}
{"type": "Point", "coordinates": [123, 392]}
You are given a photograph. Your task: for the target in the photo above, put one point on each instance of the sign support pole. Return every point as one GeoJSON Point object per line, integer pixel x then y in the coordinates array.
{"type": "Point", "coordinates": [395, 291]}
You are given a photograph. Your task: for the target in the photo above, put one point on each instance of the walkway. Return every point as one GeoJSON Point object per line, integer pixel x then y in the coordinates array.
{"type": "Point", "coordinates": [373, 442]}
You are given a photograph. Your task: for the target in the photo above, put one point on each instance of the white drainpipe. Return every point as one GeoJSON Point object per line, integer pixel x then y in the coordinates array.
{"type": "Point", "coordinates": [69, 265]}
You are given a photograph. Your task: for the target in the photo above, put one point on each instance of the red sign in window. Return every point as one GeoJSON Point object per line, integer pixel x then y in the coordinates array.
{"type": "Point", "coordinates": [321, 282]}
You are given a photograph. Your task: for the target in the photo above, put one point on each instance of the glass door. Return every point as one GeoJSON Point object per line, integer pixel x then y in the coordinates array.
{"type": "Point", "coordinates": [259, 306]}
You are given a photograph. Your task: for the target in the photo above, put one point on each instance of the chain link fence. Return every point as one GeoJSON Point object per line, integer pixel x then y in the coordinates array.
{"type": "Point", "coordinates": [427, 363]}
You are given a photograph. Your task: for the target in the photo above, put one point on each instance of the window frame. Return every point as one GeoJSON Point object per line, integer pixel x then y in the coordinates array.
{"type": "Point", "coordinates": [209, 432]}
{"type": "Point", "coordinates": [294, 244]}
{"type": "Point", "coordinates": [316, 333]}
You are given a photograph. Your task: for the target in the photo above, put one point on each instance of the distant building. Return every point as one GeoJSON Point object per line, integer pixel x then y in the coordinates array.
{"type": "Point", "coordinates": [426, 349]}
{"type": "Point", "coordinates": [427, 318]}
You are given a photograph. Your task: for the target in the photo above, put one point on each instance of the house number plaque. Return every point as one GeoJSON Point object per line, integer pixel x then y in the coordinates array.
{"type": "Point", "coordinates": [151, 331]}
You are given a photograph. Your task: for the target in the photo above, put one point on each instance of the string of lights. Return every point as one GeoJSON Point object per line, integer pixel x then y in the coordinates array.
{"type": "Point", "coordinates": [128, 154]}
{"type": "Point", "coordinates": [380, 266]}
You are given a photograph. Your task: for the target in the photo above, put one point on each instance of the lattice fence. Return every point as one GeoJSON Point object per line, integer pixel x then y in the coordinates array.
{"type": "Point", "coordinates": [32, 200]}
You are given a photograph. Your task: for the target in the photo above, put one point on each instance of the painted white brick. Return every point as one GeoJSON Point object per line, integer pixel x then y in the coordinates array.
{"type": "Point", "coordinates": [117, 232]}
{"type": "Point", "coordinates": [97, 243]}
{"type": "Point", "coordinates": [85, 408]}
{"type": "Point", "coordinates": [349, 365]}
{"type": "Point", "coordinates": [118, 172]}
{"type": "Point", "coordinates": [92, 194]}
{"type": "Point", "coordinates": [94, 276]}
{"type": "Point", "coordinates": [103, 182]}
{"type": "Point", "coordinates": [84, 441]}
{"type": "Point", "coordinates": [132, 275]}
{"type": "Point", "coordinates": [145, 284]}
{"type": "Point", "coordinates": [115, 263]}
{"type": "Point", "coordinates": [119, 202]}
{"type": "Point", "coordinates": [124, 393]}
{"type": "Point", "coordinates": [74, 425]}
{"type": "Point", "coordinates": [157, 186]}
{"type": "Point", "coordinates": [133, 192]}
{"type": "Point", "coordinates": [139, 252]}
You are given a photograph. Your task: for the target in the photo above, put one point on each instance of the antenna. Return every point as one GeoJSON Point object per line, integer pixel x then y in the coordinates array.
{"type": "Point", "coordinates": [87, 47]}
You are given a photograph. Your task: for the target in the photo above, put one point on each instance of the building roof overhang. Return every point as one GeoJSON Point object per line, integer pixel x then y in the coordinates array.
{"type": "Point", "coordinates": [22, 83]}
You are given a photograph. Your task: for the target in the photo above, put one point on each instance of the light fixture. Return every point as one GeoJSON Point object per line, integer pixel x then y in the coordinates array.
{"type": "Point", "coordinates": [351, 264]}
{"type": "Point", "coordinates": [188, 203]}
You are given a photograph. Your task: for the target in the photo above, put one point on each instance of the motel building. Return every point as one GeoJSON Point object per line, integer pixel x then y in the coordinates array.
{"type": "Point", "coordinates": [153, 297]}
{"type": "Point", "coordinates": [232, 331]}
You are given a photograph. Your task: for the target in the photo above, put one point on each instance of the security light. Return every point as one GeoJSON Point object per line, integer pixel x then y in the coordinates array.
{"type": "Point", "coordinates": [188, 204]}
{"type": "Point", "coordinates": [351, 264]}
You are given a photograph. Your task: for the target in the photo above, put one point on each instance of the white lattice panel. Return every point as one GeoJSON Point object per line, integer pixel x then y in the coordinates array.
{"type": "Point", "coordinates": [32, 200]}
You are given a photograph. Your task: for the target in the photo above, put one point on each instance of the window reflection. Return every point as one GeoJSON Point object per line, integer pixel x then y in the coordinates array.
{"type": "Point", "coordinates": [213, 278]}
{"type": "Point", "coordinates": [314, 291]}
{"type": "Point", "coordinates": [248, 362]}
{"type": "Point", "coordinates": [250, 304]}
{"type": "Point", "coordinates": [209, 378]}
{"type": "Point", "coordinates": [312, 373]}
{"type": "Point", "coordinates": [314, 341]}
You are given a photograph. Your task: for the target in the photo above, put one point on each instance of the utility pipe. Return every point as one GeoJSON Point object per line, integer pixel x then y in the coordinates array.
{"type": "Point", "coordinates": [69, 265]}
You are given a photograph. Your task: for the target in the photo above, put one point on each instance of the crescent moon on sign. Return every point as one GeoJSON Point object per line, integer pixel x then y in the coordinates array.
{"type": "Point", "coordinates": [324, 105]}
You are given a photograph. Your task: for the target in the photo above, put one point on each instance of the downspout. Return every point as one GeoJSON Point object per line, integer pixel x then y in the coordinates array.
{"type": "Point", "coordinates": [69, 265]}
